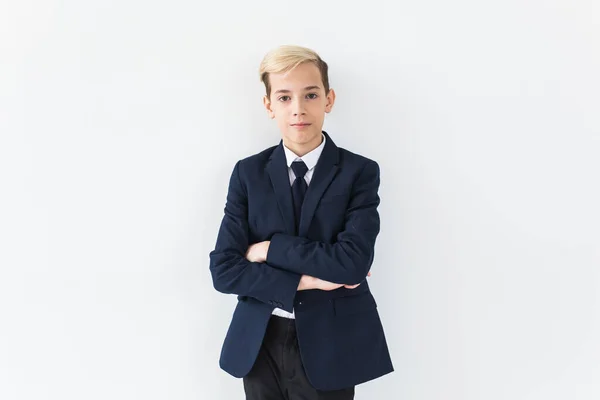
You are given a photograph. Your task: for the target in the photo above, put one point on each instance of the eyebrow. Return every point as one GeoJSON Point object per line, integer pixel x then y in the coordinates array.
{"type": "Point", "coordinates": [289, 91]}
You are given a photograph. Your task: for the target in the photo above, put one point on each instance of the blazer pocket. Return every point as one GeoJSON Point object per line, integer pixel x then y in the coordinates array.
{"type": "Point", "coordinates": [354, 304]}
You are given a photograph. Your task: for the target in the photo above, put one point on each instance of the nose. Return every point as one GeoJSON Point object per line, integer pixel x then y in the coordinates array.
{"type": "Point", "coordinates": [298, 107]}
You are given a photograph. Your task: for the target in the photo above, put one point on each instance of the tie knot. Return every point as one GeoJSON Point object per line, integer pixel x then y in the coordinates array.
{"type": "Point", "coordinates": [299, 168]}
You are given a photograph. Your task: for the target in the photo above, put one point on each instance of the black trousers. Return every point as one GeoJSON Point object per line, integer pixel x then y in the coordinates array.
{"type": "Point", "coordinates": [278, 373]}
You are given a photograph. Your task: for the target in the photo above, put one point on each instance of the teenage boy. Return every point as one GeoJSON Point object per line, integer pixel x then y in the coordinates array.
{"type": "Point", "coordinates": [296, 244]}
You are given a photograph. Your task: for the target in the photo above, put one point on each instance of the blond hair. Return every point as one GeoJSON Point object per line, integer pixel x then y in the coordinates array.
{"type": "Point", "coordinates": [287, 57]}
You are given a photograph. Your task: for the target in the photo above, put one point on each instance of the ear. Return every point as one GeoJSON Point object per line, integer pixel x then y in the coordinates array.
{"type": "Point", "coordinates": [330, 100]}
{"type": "Point", "coordinates": [267, 104]}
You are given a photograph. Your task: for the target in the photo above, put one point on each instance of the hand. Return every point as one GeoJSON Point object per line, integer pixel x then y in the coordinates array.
{"type": "Point", "coordinates": [310, 282]}
{"type": "Point", "coordinates": [257, 252]}
{"type": "Point", "coordinates": [355, 286]}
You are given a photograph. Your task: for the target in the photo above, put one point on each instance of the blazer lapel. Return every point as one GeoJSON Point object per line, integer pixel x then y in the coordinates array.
{"type": "Point", "coordinates": [280, 180]}
{"type": "Point", "coordinates": [324, 172]}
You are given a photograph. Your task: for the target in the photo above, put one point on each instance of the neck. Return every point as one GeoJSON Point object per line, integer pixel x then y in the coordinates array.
{"type": "Point", "coordinates": [300, 149]}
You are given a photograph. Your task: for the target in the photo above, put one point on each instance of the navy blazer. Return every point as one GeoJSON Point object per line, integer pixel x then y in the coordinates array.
{"type": "Point", "coordinates": [340, 335]}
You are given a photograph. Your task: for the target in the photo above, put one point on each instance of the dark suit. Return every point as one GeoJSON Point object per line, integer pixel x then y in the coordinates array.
{"type": "Point", "coordinates": [340, 335]}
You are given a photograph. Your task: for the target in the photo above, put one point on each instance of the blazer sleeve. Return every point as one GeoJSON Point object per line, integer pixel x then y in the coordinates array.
{"type": "Point", "coordinates": [349, 259]}
{"type": "Point", "coordinates": [232, 272]}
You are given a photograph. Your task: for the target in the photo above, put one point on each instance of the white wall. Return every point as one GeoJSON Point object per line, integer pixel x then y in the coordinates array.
{"type": "Point", "coordinates": [121, 121]}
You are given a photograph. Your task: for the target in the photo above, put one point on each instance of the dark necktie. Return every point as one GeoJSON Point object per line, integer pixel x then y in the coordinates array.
{"type": "Point", "coordinates": [298, 189]}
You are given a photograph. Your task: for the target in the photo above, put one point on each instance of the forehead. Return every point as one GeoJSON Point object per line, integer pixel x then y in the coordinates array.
{"type": "Point", "coordinates": [305, 74]}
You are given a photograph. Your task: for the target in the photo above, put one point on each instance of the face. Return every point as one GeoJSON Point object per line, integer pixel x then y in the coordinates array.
{"type": "Point", "coordinates": [298, 103]}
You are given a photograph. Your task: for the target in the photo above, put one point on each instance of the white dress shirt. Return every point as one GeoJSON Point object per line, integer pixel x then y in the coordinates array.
{"type": "Point", "coordinates": [310, 159]}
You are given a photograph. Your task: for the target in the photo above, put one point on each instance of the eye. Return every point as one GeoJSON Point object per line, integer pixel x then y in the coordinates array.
{"type": "Point", "coordinates": [283, 97]}
{"type": "Point", "coordinates": [312, 94]}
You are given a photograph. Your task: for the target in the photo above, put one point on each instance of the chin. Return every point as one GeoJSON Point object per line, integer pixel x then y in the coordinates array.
{"type": "Point", "coordinates": [302, 137]}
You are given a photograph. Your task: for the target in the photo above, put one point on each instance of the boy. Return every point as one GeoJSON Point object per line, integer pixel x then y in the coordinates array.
{"type": "Point", "coordinates": [296, 244]}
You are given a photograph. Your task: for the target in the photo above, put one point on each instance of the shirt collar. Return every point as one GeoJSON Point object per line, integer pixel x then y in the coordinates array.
{"type": "Point", "coordinates": [310, 158]}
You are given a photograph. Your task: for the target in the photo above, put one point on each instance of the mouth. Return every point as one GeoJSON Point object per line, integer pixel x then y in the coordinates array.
{"type": "Point", "coordinates": [300, 125]}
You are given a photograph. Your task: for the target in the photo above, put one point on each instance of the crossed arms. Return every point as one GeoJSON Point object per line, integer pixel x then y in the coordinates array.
{"type": "Point", "coordinates": [274, 271]}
